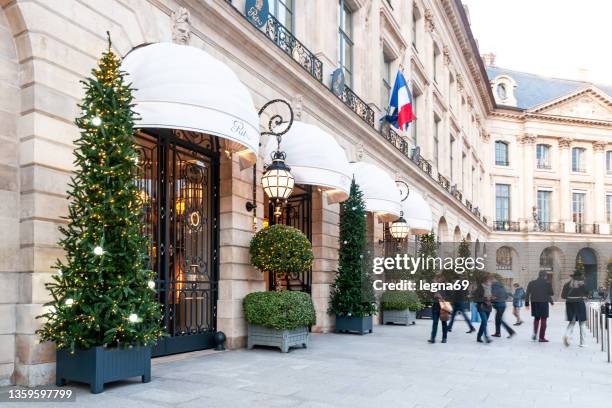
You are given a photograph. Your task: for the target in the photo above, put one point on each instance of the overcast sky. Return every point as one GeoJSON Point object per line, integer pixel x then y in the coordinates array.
{"type": "Point", "coordinates": [548, 37]}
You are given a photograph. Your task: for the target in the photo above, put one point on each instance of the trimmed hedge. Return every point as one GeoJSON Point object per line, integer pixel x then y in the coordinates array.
{"type": "Point", "coordinates": [281, 249]}
{"type": "Point", "coordinates": [284, 310]}
{"type": "Point", "coordinates": [400, 300]}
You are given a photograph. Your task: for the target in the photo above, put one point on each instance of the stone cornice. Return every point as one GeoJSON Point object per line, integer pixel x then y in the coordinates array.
{"type": "Point", "coordinates": [596, 93]}
{"type": "Point", "coordinates": [599, 146]}
{"type": "Point", "coordinates": [525, 116]}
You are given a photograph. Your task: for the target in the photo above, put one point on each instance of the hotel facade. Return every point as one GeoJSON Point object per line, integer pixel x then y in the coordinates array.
{"type": "Point", "coordinates": [486, 148]}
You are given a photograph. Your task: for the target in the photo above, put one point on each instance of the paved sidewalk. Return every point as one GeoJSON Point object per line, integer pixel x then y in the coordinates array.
{"type": "Point", "coordinates": [394, 367]}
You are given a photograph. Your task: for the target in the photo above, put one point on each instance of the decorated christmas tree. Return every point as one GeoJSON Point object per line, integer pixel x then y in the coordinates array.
{"type": "Point", "coordinates": [352, 292]}
{"type": "Point", "coordinates": [102, 295]}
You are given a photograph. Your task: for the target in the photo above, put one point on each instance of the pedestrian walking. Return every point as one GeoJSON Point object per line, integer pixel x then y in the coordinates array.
{"type": "Point", "coordinates": [482, 296]}
{"type": "Point", "coordinates": [574, 292]}
{"type": "Point", "coordinates": [474, 315]}
{"type": "Point", "coordinates": [459, 299]}
{"type": "Point", "coordinates": [500, 295]}
{"type": "Point", "coordinates": [518, 300]}
{"type": "Point", "coordinates": [539, 295]}
{"type": "Point", "coordinates": [440, 312]}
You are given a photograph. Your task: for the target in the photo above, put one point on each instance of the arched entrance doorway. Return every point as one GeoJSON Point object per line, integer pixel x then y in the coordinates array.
{"type": "Point", "coordinates": [589, 261]}
{"type": "Point", "coordinates": [442, 230]}
{"type": "Point", "coordinates": [550, 261]}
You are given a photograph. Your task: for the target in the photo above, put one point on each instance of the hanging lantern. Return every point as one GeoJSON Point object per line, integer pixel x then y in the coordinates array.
{"type": "Point", "coordinates": [277, 181]}
{"type": "Point", "coordinates": [399, 229]}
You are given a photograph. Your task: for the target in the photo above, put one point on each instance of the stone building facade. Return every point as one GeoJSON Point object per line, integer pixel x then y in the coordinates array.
{"type": "Point", "coordinates": [446, 155]}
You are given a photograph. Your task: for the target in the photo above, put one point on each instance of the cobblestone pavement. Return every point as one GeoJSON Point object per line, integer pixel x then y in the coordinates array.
{"type": "Point", "coordinates": [393, 367]}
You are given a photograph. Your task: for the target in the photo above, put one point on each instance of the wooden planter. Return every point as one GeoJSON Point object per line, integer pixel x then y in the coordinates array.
{"type": "Point", "coordinates": [283, 339]}
{"type": "Point", "coordinates": [99, 365]}
{"type": "Point", "coordinates": [347, 324]}
{"type": "Point", "coordinates": [405, 316]}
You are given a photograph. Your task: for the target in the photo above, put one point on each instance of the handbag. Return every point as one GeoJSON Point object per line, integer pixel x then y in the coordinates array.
{"type": "Point", "coordinates": [445, 310]}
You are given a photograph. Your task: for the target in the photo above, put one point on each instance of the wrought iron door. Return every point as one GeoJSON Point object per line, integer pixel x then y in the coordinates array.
{"type": "Point", "coordinates": [179, 181]}
{"type": "Point", "coordinates": [296, 213]}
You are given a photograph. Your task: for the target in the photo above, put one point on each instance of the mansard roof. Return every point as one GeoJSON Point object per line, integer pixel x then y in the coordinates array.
{"type": "Point", "coordinates": [533, 90]}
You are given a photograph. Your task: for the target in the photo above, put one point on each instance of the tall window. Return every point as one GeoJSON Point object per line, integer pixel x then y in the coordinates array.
{"type": "Point", "coordinates": [502, 202]}
{"type": "Point", "coordinates": [451, 91]}
{"type": "Point", "coordinates": [501, 153]}
{"type": "Point", "coordinates": [609, 162]}
{"type": "Point", "coordinates": [578, 207]}
{"type": "Point", "coordinates": [578, 158]}
{"type": "Point", "coordinates": [452, 148]}
{"type": "Point", "coordinates": [473, 184]}
{"type": "Point", "coordinates": [544, 206]}
{"type": "Point", "coordinates": [415, 103]}
{"type": "Point", "coordinates": [463, 171]}
{"type": "Point", "coordinates": [435, 62]}
{"type": "Point", "coordinates": [543, 156]}
{"type": "Point", "coordinates": [386, 82]}
{"type": "Point", "coordinates": [345, 42]}
{"type": "Point", "coordinates": [283, 11]}
{"type": "Point", "coordinates": [436, 140]}
{"type": "Point", "coordinates": [415, 21]}
{"type": "Point", "coordinates": [609, 208]}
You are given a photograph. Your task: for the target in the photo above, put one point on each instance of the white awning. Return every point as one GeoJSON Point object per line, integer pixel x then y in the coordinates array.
{"type": "Point", "coordinates": [182, 87]}
{"type": "Point", "coordinates": [417, 213]}
{"type": "Point", "coordinates": [379, 191]}
{"type": "Point", "coordinates": [316, 159]}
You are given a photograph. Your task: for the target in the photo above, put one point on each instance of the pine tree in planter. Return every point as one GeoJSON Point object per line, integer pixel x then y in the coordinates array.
{"type": "Point", "coordinates": [103, 315]}
{"type": "Point", "coordinates": [352, 296]}
{"type": "Point", "coordinates": [428, 248]}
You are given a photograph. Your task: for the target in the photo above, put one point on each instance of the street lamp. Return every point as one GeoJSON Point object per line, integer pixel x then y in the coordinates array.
{"type": "Point", "coordinates": [277, 180]}
{"type": "Point", "coordinates": [400, 229]}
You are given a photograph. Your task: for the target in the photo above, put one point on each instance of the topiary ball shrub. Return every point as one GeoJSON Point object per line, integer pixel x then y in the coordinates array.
{"type": "Point", "coordinates": [400, 300]}
{"type": "Point", "coordinates": [285, 310]}
{"type": "Point", "coordinates": [281, 249]}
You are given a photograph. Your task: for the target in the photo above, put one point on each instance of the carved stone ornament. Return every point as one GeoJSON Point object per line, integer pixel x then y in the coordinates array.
{"type": "Point", "coordinates": [460, 86]}
{"type": "Point", "coordinates": [599, 146]}
{"type": "Point", "coordinates": [565, 142]}
{"type": "Point", "coordinates": [429, 21]}
{"type": "Point", "coordinates": [446, 55]}
{"type": "Point", "coordinates": [298, 104]}
{"type": "Point", "coordinates": [181, 28]}
{"type": "Point", "coordinates": [359, 152]}
{"type": "Point", "coordinates": [527, 139]}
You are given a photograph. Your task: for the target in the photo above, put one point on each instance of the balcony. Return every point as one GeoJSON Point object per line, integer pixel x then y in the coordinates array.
{"type": "Point", "coordinates": [507, 226]}
{"type": "Point", "coordinates": [582, 228]}
{"type": "Point", "coordinates": [357, 105]}
{"type": "Point", "coordinates": [391, 136]}
{"type": "Point", "coordinates": [543, 165]}
{"type": "Point", "coordinates": [422, 163]}
{"type": "Point", "coordinates": [549, 227]}
{"type": "Point", "coordinates": [468, 204]}
{"type": "Point", "coordinates": [444, 182]}
{"type": "Point", "coordinates": [504, 163]}
{"type": "Point", "coordinates": [286, 41]}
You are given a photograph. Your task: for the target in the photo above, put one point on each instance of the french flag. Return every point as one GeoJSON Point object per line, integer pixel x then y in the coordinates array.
{"type": "Point", "coordinates": [400, 104]}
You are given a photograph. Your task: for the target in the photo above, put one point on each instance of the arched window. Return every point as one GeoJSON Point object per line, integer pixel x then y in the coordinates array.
{"type": "Point", "coordinates": [503, 258]}
{"type": "Point", "coordinates": [502, 92]}
{"type": "Point", "coordinates": [501, 153]}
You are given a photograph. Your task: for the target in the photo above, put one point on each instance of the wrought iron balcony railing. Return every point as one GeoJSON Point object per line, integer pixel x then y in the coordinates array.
{"type": "Point", "coordinates": [583, 228]}
{"type": "Point", "coordinates": [444, 182]}
{"type": "Point", "coordinates": [468, 204]}
{"type": "Point", "coordinates": [391, 136]}
{"type": "Point", "coordinates": [357, 105]}
{"type": "Point", "coordinates": [287, 42]}
{"type": "Point", "coordinates": [549, 227]}
{"type": "Point", "coordinates": [544, 165]}
{"type": "Point", "coordinates": [507, 226]}
{"type": "Point", "coordinates": [422, 163]}
{"type": "Point", "coordinates": [502, 163]}
{"type": "Point", "coordinates": [457, 194]}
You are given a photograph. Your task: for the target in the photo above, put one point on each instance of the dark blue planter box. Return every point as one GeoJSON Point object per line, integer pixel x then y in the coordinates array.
{"type": "Point", "coordinates": [99, 365]}
{"type": "Point", "coordinates": [347, 324]}
{"type": "Point", "coordinates": [424, 313]}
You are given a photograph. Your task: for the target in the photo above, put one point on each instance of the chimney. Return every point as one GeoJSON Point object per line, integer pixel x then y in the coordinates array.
{"type": "Point", "coordinates": [489, 59]}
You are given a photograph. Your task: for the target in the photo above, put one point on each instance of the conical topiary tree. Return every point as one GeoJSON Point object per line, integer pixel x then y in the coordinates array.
{"type": "Point", "coordinates": [102, 294]}
{"type": "Point", "coordinates": [428, 248]}
{"type": "Point", "coordinates": [352, 293]}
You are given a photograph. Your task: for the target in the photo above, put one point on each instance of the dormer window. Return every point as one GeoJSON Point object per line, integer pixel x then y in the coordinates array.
{"type": "Point", "coordinates": [503, 89]}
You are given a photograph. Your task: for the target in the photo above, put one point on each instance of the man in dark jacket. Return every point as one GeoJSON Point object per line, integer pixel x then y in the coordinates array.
{"type": "Point", "coordinates": [459, 298]}
{"type": "Point", "coordinates": [539, 294]}
{"type": "Point", "coordinates": [500, 295]}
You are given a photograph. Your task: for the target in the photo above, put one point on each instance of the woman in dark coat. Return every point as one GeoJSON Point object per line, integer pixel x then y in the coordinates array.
{"type": "Point", "coordinates": [574, 292]}
{"type": "Point", "coordinates": [482, 297]}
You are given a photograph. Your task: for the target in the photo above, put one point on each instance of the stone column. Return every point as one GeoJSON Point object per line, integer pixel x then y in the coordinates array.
{"type": "Point", "coordinates": [599, 199]}
{"type": "Point", "coordinates": [237, 277]}
{"type": "Point", "coordinates": [527, 142]}
{"type": "Point", "coordinates": [565, 199]}
{"type": "Point", "coordinates": [325, 232]}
